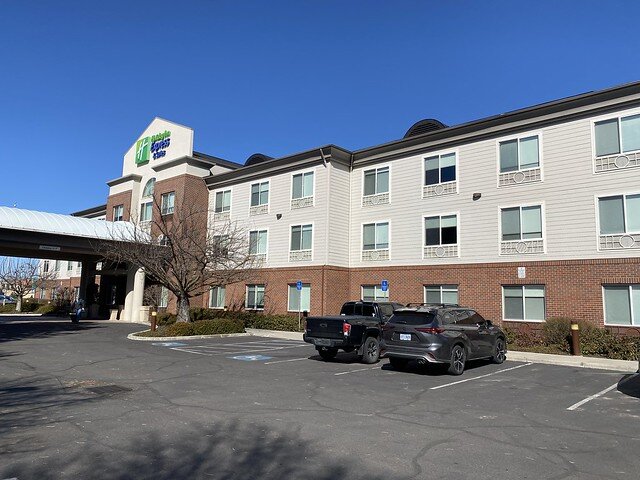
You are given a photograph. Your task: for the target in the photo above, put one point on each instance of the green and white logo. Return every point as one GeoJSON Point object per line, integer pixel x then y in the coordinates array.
{"type": "Point", "coordinates": [143, 147]}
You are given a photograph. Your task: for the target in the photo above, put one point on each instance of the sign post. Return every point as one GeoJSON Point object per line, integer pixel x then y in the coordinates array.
{"type": "Point", "coordinates": [299, 288]}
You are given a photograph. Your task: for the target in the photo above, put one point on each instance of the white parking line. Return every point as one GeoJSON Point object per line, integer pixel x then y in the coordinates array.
{"type": "Point", "coordinates": [289, 360]}
{"type": "Point", "coordinates": [481, 376]}
{"type": "Point", "coordinates": [599, 394]}
{"type": "Point", "coordinates": [211, 351]}
{"type": "Point", "coordinates": [191, 351]}
{"type": "Point", "coordinates": [358, 370]}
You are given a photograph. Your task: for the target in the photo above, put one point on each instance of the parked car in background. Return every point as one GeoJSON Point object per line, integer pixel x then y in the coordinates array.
{"type": "Point", "coordinates": [441, 334]}
{"type": "Point", "coordinates": [4, 299]}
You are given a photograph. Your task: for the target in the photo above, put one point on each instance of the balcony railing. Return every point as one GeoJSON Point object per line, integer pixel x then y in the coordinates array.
{"type": "Point", "coordinates": [259, 210]}
{"type": "Point", "coordinates": [621, 241]}
{"type": "Point", "coordinates": [530, 175]}
{"type": "Point", "coordinates": [616, 162]}
{"type": "Point", "coordinates": [303, 202]}
{"type": "Point", "coordinates": [378, 199]}
{"type": "Point", "coordinates": [221, 216]}
{"type": "Point", "coordinates": [440, 251]}
{"type": "Point", "coordinates": [375, 255]}
{"type": "Point", "coordinates": [300, 255]}
{"type": "Point", "coordinates": [522, 247]}
{"type": "Point", "coordinates": [447, 188]}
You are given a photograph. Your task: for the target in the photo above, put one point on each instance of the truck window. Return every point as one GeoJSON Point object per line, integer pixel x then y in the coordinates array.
{"type": "Point", "coordinates": [347, 309]}
{"type": "Point", "coordinates": [386, 310]}
{"type": "Point", "coordinates": [368, 311]}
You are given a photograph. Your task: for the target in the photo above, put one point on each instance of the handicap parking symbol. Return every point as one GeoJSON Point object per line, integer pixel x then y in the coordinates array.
{"type": "Point", "coordinates": [251, 358]}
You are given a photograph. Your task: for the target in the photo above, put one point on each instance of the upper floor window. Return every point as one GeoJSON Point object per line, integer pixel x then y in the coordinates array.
{"type": "Point", "coordinates": [57, 265]}
{"type": "Point", "coordinates": [301, 236]}
{"type": "Point", "coordinates": [223, 201]}
{"type": "Point", "coordinates": [45, 266]}
{"type": "Point", "coordinates": [621, 304]}
{"type": "Point", "coordinates": [302, 185]}
{"type": "Point", "coordinates": [619, 214]}
{"type": "Point", "coordinates": [146, 210]}
{"type": "Point", "coordinates": [521, 223]}
{"type": "Point", "coordinates": [376, 181]}
{"type": "Point", "coordinates": [440, 169]}
{"type": "Point", "coordinates": [519, 154]}
{"type": "Point", "coordinates": [149, 188]}
{"type": "Point", "coordinates": [375, 236]}
{"type": "Point", "coordinates": [617, 135]}
{"type": "Point", "coordinates": [258, 242]}
{"type": "Point", "coordinates": [118, 213]}
{"type": "Point", "coordinates": [168, 203]}
{"type": "Point", "coordinates": [69, 266]}
{"type": "Point", "coordinates": [441, 230]}
{"type": "Point", "coordinates": [259, 194]}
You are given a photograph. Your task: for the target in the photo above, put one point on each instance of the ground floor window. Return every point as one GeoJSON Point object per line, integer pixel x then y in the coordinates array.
{"type": "Point", "coordinates": [299, 300]}
{"type": "Point", "coordinates": [441, 294]}
{"type": "Point", "coordinates": [524, 302]}
{"type": "Point", "coordinates": [374, 293]}
{"type": "Point", "coordinates": [217, 297]}
{"type": "Point", "coordinates": [164, 297]}
{"type": "Point", "coordinates": [621, 304]}
{"type": "Point", "coordinates": [255, 297]}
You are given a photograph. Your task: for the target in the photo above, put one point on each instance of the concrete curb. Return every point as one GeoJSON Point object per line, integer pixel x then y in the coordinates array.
{"type": "Point", "coordinates": [275, 334]}
{"type": "Point", "coordinates": [626, 366]}
{"type": "Point", "coordinates": [132, 336]}
{"type": "Point", "coordinates": [20, 314]}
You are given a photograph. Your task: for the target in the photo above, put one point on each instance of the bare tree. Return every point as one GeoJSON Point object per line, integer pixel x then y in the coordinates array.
{"type": "Point", "coordinates": [182, 250]}
{"type": "Point", "coordinates": [22, 276]}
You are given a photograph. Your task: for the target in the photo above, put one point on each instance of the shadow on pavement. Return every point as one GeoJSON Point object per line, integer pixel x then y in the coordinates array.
{"type": "Point", "coordinates": [226, 450]}
{"type": "Point", "coordinates": [20, 329]}
{"type": "Point", "coordinates": [630, 385]}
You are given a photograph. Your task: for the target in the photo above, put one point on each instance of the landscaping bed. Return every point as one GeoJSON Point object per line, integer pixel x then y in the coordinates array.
{"type": "Point", "coordinates": [286, 323]}
{"type": "Point", "coordinates": [199, 327]}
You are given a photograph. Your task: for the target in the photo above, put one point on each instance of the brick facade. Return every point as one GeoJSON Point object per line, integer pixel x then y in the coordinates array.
{"type": "Point", "coordinates": [123, 198]}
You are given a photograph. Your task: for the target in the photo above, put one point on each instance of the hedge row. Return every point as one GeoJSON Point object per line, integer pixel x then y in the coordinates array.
{"type": "Point", "coordinates": [200, 327]}
{"type": "Point", "coordinates": [27, 307]}
{"type": "Point", "coordinates": [555, 337]}
{"type": "Point", "coordinates": [286, 323]}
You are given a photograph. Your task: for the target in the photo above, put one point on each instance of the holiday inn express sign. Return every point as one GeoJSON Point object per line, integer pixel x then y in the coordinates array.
{"type": "Point", "coordinates": [155, 144]}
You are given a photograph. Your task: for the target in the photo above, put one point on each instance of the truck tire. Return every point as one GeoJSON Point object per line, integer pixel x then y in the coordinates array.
{"type": "Point", "coordinates": [398, 363]}
{"type": "Point", "coordinates": [371, 350]}
{"type": "Point", "coordinates": [327, 353]}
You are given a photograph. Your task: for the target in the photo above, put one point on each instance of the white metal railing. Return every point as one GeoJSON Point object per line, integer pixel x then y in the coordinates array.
{"type": "Point", "coordinates": [300, 255]}
{"type": "Point", "coordinates": [375, 255]}
{"type": "Point", "coordinates": [522, 247]}
{"type": "Point", "coordinates": [303, 202]}
{"type": "Point", "coordinates": [621, 241]}
{"type": "Point", "coordinates": [440, 251]}
{"type": "Point", "coordinates": [616, 162]}
{"type": "Point", "coordinates": [521, 176]}
{"type": "Point", "coordinates": [221, 216]}
{"type": "Point", "coordinates": [378, 199]}
{"type": "Point", "coordinates": [439, 189]}
{"type": "Point", "coordinates": [259, 210]}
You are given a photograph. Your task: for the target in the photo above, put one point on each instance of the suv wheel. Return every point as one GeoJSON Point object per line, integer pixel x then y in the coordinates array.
{"type": "Point", "coordinates": [327, 353]}
{"type": "Point", "coordinates": [458, 360]}
{"type": "Point", "coordinates": [499, 351]}
{"type": "Point", "coordinates": [398, 363]}
{"type": "Point", "coordinates": [371, 350]}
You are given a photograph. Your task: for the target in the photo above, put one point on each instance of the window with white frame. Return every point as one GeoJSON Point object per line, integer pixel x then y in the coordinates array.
{"type": "Point", "coordinates": [521, 223]}
{"type": "Point", "coordinates": [149, 187]}
{"type": "Point", "coordinates": [441, 294]}
{"type": "Point", "coordinates": [619, 214]}
{"type": "Point", "coordinates": [375, 236]}
{"type": "Point", "coordinates": [259, 194]}
{"type": "Point", "coordinates": [255, 297]}
{"type": "Point", "coordinates": [302, 185]}
{"type": "Point", "coordinates": [223, 201]}
{"type": "Point", "coordinates": [45, 266]}
{"type": "Point", "coordinates": [621, 304]}
{"type": "Point", "coordinates": [376, 181]}
{"type": "Point", "coordinates": [440, 169]}
{"type": "Point", "coordinates": [217, 297]}
{"type": "Point", "coordinates": [524, 302]}
{"type": "Point", "coordinates": [118, 213]}
{"type": "Point", "coordinates": [519, 154]}
{"type": "Point", "coordinates": [258, 242]}
{"type": "Point", "coordinates": [146, 210]}
{"type": "Point", "coordinates": [441, 230]}
{"type": "Point", "coordinates": [617, 135]}
{"type": "Point", "coordinates": [163, 301]}
{"type": "Point", "coordinates": [57, 265]}
{"type": "Point", "coordinates": [299, 300]}
{"type": "Point", "coordinates": [69, 266]}
{"type": "Point", "coordinates": [374, 293]}
{"type": "Point", "coordinates": [168, 203]}
{"type": "Point", "coordinates": [301, 236]}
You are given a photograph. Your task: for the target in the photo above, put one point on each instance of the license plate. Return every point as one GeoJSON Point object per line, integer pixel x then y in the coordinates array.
{"type": "Point", "coordinates": [405, 336]}
{"type": "Point", "coordinates": [324, 342]}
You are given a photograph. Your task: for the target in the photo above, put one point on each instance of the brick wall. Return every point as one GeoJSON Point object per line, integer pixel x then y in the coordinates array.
{"type": "Point", "coordinates": [123, 198]}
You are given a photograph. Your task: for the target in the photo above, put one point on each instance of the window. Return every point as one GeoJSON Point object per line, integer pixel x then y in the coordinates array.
{"type": "Point", "coordinates": [617, 135]}
{"type": "Point", "coordinates": [441, 294]}
{"type": "Point", "coordinates": [619, 214]}
{"type": "Point", "coordinates": [441, 230]}
{"type": "Point", "coordinates": [301, 237]}
{"type": "Point", "coordinates": [145, 211]}
{"type": "Point", "coordinates": [521, 223]}
{"type": "Point", "coordinates": [524, 302]}
{"type": "Point", "coordinates": [374, 293]}
{"type": "Point", "coordinates": [376, 181]}
{"type": "Point", "coordinates": [299, 300]}
{"type": "Point", "coordinates": [519, 154]}
{"type": "Point", "coordinates": [217, 297]}
{"type": "Point", "coordinates": [375, 236]}
{"type": "Point", "coordinates": [149, 188]}
{"type": "Point", "coordinates": [167, 203]}
{"type": "Point", "coordinates": [220, 246]}
{"type": "Point", "coordinates": [223, 201]}
{"type": "Point", "coordinates": [45, 266]}
{"type": "Point", "coordinates": [258, 242]}
{"type": "Point", "coordinates": [440, 169]}
{"type": "Point", "coordinates": [259, 194]}
{"type": "Point", "coordinates": [69, 266]}
{"type": "Point", "coordinates": [164, 297]}
{"type": "Point", "coordinates": [118, 213]}
{"type": "Point", "coordinates": [302, 185]}
{"type": "Point", "coordinates": [255, 297]}
{"type": "Point", "coordinates": [622, 304]}
{"type": "Point", "coordinates": [57, 265]}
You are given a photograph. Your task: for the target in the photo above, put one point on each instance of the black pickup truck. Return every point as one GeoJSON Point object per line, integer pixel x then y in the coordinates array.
{"type": "Point", "coordinates": [357, 328]}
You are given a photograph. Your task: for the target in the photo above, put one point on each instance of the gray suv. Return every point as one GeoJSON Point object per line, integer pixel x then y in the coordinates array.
{"type": "Point", "coordinates": [440, 333]}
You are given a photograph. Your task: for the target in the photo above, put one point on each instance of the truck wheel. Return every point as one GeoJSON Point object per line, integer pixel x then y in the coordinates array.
{"type": "Point", "coordinates": [371, 350]}
{"type": "Point", "coordinates": [327, 353]}
{"type": "Point", "coordinates": [398, 363]}
{"type": "Point", "coordinates": [458, 360]}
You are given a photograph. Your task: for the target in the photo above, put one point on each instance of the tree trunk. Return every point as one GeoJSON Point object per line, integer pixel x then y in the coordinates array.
{"type": "Point", "coordinates": [19, 304]}
{"type": "Point", "coordinates": [183, 309]}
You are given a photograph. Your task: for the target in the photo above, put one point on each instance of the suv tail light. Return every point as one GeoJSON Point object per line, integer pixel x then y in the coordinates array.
{"type": "Point", "coordinates": [432, 330]}
{"type": "Point", "coordinates": [346, 329]}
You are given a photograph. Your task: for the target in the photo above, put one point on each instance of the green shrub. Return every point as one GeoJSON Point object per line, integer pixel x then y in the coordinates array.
{"type": "Point", "coordinates": [8, 308]}
{"type": "Point", "coordinates": [46, 309]}
{"type": "Point", "coordinates": [164, 318]}
{"type": "Point", "coordinates": [177, 329]}
{"type": "Point", "coordinates": [274, 322]}
{"type": "Point", "coordinates": [598, 342]}
{"type": "Point", "coordinates": [200, 327]}
{"type": "Point", "coordinates": [30, 307]}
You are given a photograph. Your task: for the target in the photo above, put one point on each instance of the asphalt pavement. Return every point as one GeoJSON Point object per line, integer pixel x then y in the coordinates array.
{"type": "Point", "coordinates": [82, 401]}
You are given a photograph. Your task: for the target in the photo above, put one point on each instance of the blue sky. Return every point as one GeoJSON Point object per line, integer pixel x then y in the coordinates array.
{"type": "Point", "coordinates": [79, 80]}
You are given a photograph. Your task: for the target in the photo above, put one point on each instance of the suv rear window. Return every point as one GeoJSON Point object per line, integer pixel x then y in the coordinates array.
{"type": "Point", "coordinates": [413, 318]}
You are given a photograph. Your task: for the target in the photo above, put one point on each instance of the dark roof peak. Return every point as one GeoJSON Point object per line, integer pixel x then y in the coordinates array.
{"type": "Point", "coordinates": [257, 158]}
{"type": "Point", "coordinates": [424, 126]}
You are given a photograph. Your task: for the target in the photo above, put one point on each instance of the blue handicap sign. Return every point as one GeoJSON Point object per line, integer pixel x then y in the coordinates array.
{"type": "Point", "coordinates": [169, 344]}
{"type": "Point", "coordinates": [251, 358]}
{"type": "Point", "coordinates": [299, 285]}
{"type": "Point", "coordinates": [384, 284]}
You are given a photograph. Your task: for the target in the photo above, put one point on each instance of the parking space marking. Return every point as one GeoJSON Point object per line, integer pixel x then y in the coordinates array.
{"type": "Point", "coordinates": [481, 376]}
{"type": "Point", "coordinates": [191, 351]}
{"type": "Point", "coordinates": [599, 394]}
{"type": "Point", "coordinates": [289, 360]}
{"type": "Point", "coordinates": [358, 370]}
{"type": "Point", "coordinates": [213, 350]}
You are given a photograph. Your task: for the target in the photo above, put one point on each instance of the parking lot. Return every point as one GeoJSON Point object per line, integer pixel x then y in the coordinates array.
{"type": "Point", "coordinates": [87, 403]}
